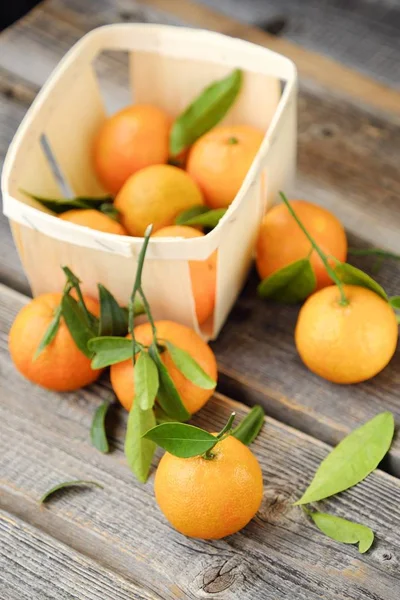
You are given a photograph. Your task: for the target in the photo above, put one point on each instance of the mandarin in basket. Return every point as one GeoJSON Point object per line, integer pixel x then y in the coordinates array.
{"type": "Point", "coordinates": [61, 366]}
{"type": "Point", "coordinates": [210, 498]}
{"type": "Point", "coordinates": [281, 241]}
{"type": "Point", "coordinates": [202, 272]}
{"type": "Point", "coordinates": [135, 137]}
{"type": "Point", "coordinates": [220, 159]}
{"type": "Point", "coordinates": [193, 397]}
{"type": "Point", "coordinates": [346, 343]}
{"type": "Point", "coordinates": [94, 219]}
{"type": "Point", "coordinates": [155, 195]}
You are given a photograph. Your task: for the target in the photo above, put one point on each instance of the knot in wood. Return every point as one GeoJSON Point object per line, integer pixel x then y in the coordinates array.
{"type": "Point", "coordinates": [277, 501]}
{"type": "Point", "coordinates": [221, 576]}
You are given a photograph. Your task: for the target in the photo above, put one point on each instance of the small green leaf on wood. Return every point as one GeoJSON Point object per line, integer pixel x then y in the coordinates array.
{"type": "Point", "coordinates": [342, 530]}
{"type": "Point", "coordinates": [67, 484]}
{"type": "Point", "coordinates": [50, 333]}
{"type": "Point", "coordinates": [98, 433]}
{"type": "Point", "coordinates": [190, 368]}
{"type": "Point", "coordinates": [394, 301]}
{"type": "Point", "coordinates": [208, 109]}
{"type": "Point", "coordinates": [181, 440]}
{"type": "Point", "coordinates": [207, 218]}
{"type": "Point", "coordinates": [113, 318]}
{"type": "Point", "coordinates": [249, 428]}
{"type": "Point", "coordinates": [350, 275]}
{"type": "Point", "coordinates": [138, 450]}
{"type": "Point", "coordinates": [60, 205]}
{"type": "Point", "coordinates": [146, 380]}
{"type": "Point", "coordinates": [167, 395]}
{"type": "Point", "coordinates": [291, 284]}
{"type": "Point", "coordinates": [110, 350]}
{"type": "Point", "coordinates": [353, 459]}
{"type": "Point", "coordinates": [190, 213]}
{"type": "Point", "coordinates": [76, 322]}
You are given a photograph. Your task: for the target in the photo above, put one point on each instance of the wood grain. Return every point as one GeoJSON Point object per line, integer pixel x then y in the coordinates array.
{"type": "Point", "coordinates": [34, 566]}
{"type": "Point", "coordinates": [359, 33]}
{"type": "Point", "coordinates": [44, 440]}
{"type": "Point", "coordinates": [312, 67]}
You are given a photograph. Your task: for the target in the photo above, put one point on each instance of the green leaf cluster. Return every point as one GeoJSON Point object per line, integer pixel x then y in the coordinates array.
{"type": "Point", "coordinates": [103, 204]}
{"type": "Point", "coordinates": [353, 459]}
{"type": "Point", "coordinates": [200, 216]}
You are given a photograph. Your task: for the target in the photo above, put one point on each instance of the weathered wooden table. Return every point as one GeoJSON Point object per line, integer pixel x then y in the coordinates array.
{"type": "Point", "coordinates": [115, 544]}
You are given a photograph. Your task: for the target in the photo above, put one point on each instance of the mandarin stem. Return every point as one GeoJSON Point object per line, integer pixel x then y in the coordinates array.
{"type": "Point", "coordinates": [343, 300]}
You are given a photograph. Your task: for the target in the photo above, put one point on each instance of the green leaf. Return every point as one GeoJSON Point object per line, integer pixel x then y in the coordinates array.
{"type": "Point", "coordinates": [50, 332]}
{"type": "Point", "coordinates": [208, 109]}
{"type": "Point", "coordinates": [250, 427]}
{"type": "Point", "coordinates": [98, 434]}
{"type": "Point", "coordinates": [139, 451]}
{"type": "Point", "coordinates": [189, 213]}
{"type": "Point", "coordinates": [113, 318]}
{"type": "Point", "coordinates": [355, 457]}
{"type": "Point", "coordinates": [190, 368]}
{"type": "Point", "coordinates": [379, 252]}
{"type": "Point", "coordinates": [353, 276]}
{"type": "Point", "coordinates": [67, 484]}
{"type": "Point", "coordinates": [394, 301]}
{"type": "Point", "coordinates": [181, 440]}
{"type": "Point", "coordinates": [291, 284]}
{"type": "Point", "coordinates": [74, 282]}
{"type": "Point", "coordinates": [110, 350]}
{"type": "Point", "coordinates": [108, 209]}
{"type": "Point", "coordinates": [60, 205]}
{"type": "Point", "coordinates": [207, 218]}
{"type": "Point", "coordinates": [167, 395]}
{"type": "Point", "coordinates": [342, 530]}
{"type": "Point", "coordinates": [161, 416]}
{"type": "Point", "coordinates": [76, 322]}
{"type": "Point", "coordinates": [146, 380]}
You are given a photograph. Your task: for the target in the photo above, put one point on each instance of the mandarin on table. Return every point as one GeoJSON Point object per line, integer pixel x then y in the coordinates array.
{"type": "Point", "coordinates": [61, 366]}
{"type": "Point", "coordinates": [210, 498]}
{"type": "Point", "coordinates": [281, 241]}
{"type": "Point", "coordinates": [156, 195]}
{"type": "Point", "coordinates": [346, 344]}
{"type": "Point", "coordinates": [220, 159]}
{"type": "Point", "coordinates": [94, 219]}
{"type": "Point", "coordinates": [202, 272]}
{"type": "Point", "coordinates": [135, 137]}
{"type": "Point", "coordinates": [193, 397]}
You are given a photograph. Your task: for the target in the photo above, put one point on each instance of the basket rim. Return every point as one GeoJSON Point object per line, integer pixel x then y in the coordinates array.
{"type": "Point", "coordinates": [129, 244]}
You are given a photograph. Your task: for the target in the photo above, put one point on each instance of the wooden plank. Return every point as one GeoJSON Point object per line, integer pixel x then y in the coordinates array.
{"type": "Point", "coordinates": [15, 98]}
{"type": "Point", "coordinates": [34, 565]}
{"type": "Point", "coordinates": [258, 363]}
{"type": "Point", "coordinates": [315, 68]}
{"type": "Point", "coordinates": [359, 33]}
{"type": "Point", "coordinates": [44, 440]}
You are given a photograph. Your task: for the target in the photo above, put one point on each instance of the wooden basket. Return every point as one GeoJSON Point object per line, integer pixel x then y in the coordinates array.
{"type": "Point", "coordinates": [168, 67]}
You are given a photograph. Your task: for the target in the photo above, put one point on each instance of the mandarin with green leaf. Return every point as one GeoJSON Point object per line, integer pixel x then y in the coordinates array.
{"type": "Point", "coordinates": [193, 396]}
{"type": "Point", "coordinates": [61, 366]}
{"type": "Point", "coordinates": [210, 497]}
{"type": "Point", "coordinates": [282, 242]}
